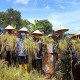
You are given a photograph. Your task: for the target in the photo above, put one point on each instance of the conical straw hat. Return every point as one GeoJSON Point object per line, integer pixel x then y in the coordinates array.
{"type": "Point", "coordinates": [61, 29]}
{"type": "Point", "coordinates": [24, 29]}
{"type": "Point", "coordinates": [9, 27]}
{"type": "Point", "coordinates": [37, 32]}
{"type": "Point", "coordinates": [77, 35]}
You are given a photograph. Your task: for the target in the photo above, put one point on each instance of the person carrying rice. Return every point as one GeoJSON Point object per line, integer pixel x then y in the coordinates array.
{"type": "Point", "coordinates": [21, 51]}
{"type": "Point", "coordinates": [9, 43]}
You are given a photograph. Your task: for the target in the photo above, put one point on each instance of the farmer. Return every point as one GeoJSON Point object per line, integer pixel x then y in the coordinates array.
{"type": "Point", "coordinates": [48, 65]}
{"type": "Point", "coordinates": [75, 57]}
{"type": "Point", "coordinates": [37, 60]}
{"type": "Point", "coordinates": [22, 54]}
{"type": "Point", "coordinates": [8, 45]}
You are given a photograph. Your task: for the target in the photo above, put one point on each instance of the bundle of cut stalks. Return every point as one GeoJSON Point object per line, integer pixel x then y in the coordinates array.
{"type": "Point", "coordinates": [63, 45]}
{"type": "Point", "coordinates": [47, 40]}
{"type": "Point", "coordinates": [76, 45]}
{"type": "Point", "coordinates": [8, 40]}
{"type": "Point", "coordinates": [30, 46]}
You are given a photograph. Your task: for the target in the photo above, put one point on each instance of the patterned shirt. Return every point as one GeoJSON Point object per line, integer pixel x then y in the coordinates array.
{"type": "Point", "coordinates": [20, 47]}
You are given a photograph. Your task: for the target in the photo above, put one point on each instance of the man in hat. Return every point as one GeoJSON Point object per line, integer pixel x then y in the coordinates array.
{"type": "Point", "coordinates": [37, 61]}
{"type": "Point", "coordinates": [9, 43]}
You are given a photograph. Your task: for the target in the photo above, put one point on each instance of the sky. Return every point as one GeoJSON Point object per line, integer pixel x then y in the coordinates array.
{"type": "Point", "coordinates": [64, 13]}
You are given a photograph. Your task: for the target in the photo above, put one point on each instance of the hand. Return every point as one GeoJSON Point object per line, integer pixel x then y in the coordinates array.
{"type": "Point", "coordinates": [70, 56]}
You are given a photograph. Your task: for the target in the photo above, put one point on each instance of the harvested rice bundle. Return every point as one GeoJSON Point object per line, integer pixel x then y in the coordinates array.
{"type": "Point", "coordinates": [11, 41]}
{"type": "Point", "coordinates": [47, 40]}
{"type": "Point", "coordinates": [76, 45]}
{"type": "Point", "coordinates": [3, 41]}
{"type": "Point", "coordinates": [31, 46]}
{"type": "Point", "coordinates": [8, 40]}
{"type": "Point", "coordinates": [63, 45]}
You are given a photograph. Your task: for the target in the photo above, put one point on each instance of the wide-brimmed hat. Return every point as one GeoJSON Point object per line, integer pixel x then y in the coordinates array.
{"type": "Point", "coordinates": [77, 35]}
{"type": "Point", "coordinates": [24, 29]}
{"type": "Point", "coordinates": [37, 32]}
{"type": "Point", "coordinates": [9, 27]}
{"type": "Point", "coordinates": [61, 29]}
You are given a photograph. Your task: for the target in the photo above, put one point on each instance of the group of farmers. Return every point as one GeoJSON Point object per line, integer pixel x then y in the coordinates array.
{"type": "Point", "coordinates": [44, 63]}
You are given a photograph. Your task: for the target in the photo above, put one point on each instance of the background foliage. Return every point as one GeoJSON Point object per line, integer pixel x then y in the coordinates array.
{"type": "Point", "coordinates": [13, 17]}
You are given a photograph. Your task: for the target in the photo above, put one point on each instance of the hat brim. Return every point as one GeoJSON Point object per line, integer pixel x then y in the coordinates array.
{"type": "Point", "coordinates": [20, 31]}
{"type": "Point", "coordinates": [37, 34]}
{"type": "Point", "coordinates": [9, 29]}
{"type": "Point", "coordinates": [75, 36]}
{"type": "Point", "coordinates": [62, 30]}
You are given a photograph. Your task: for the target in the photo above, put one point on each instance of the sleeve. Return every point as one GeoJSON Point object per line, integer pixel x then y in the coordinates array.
{"type": "Point", "coordinates": [17, 43]}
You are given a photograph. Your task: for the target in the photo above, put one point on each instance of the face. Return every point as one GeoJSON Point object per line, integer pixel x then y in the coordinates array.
{"type": "Point", "coordinates": [10, 31]}
{"type": "Point", "coordinates": [37, 36]}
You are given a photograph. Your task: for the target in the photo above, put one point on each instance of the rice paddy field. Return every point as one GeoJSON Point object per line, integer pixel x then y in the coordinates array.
{"type": "Point", "coordinates": [13, 73]}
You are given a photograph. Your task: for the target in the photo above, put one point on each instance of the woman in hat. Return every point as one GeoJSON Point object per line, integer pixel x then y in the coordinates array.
{"type": "Point", "coordinates": [48, 63]}
{"type": "Point", "coordinates": [22, 54]}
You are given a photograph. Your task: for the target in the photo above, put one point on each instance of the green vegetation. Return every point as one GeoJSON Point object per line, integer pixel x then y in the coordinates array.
{"type": "Point", "coordinates": [42, 25]}
{"type": "Point", "coordinates": [13, 17]}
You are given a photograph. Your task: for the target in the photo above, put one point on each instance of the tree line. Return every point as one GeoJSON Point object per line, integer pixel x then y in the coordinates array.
{"type": "Point", "coordinates": [13, 17]}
